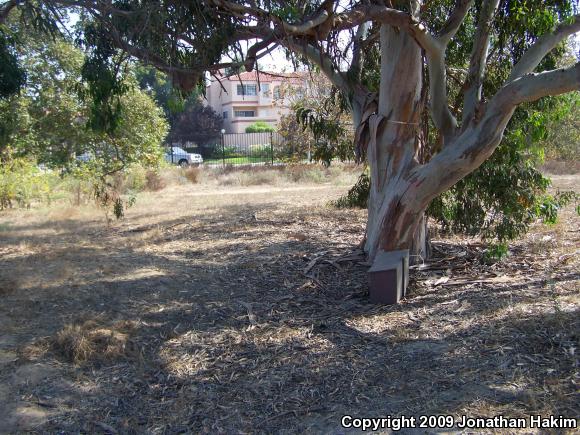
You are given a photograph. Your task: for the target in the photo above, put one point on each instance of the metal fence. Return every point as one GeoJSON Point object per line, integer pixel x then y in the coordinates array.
{"type": "Point", "coordinates": [247, 149]}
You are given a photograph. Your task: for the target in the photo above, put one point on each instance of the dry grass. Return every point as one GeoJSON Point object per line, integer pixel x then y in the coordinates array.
{"type": "Point", "coordinates": [228, 333]}
{"type": "Point", "coordinates": [153, 181]}
{"type": "Point", "coordinates": [560, 167]}
{"type": "Point", "coordinates": [284, 175]}
{"type": "Point", "coordinates": [192, 174]}
{"type": "Point", "coordinates": [92, 342]}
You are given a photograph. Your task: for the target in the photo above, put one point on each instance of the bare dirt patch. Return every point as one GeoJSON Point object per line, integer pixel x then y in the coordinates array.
{"type": "Point", "coordinates": [243, 309]}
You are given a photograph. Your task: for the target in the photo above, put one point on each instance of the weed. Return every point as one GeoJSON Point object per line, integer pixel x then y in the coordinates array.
{"type": "Point", "coordinates": [21, 182]}
{"type": "Point", "coordinates": [496, 252]}
{"type": "Point", "coordinates": [153, 181]}
{"type": "Point", "coordinates": [192, 174]}
{"type": "Point", "coordinates": [258, 178]}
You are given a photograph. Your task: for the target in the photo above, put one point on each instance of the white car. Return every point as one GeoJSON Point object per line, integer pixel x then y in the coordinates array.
{"type": "Point", "coordinates": [179, 156]}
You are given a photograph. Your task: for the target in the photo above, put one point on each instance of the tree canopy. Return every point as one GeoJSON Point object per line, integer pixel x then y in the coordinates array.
{"type": "Point", "coordinates": [48, 117]}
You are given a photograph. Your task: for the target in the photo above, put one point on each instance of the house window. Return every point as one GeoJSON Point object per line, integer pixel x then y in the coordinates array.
{"type": "Point", "coordinates": [245, 113]}
{"type": "Point", "coordinates": [276, 92]}
{"type": "Point", "coordinates": [247, 90]}
{"type": "Point", "coordinates": [225, 115]}
{"type": "Point", "coordinates": [265, 88]}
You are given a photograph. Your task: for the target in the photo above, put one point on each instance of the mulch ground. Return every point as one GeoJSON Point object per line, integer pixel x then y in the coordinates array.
{"type": "Point", "coordinates": [241, 316]}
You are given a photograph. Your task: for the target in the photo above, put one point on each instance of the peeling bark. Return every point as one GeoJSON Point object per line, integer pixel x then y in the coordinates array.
{"type": "Point", "coordinates": [393, 134]}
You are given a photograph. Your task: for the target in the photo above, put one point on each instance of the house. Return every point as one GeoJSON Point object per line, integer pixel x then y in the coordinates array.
{"type": "Point", "coordinates": [242, 99]}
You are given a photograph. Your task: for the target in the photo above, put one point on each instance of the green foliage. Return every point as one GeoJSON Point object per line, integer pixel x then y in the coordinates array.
{"type": "Point", "coordinates": [197, 123]}
{"type": "Point", "coordinates": [563, 139]}
{"type": "Point", "coordinates": [497, 201]}
{"type": "Point", "coordinates": [298, 141]}
{"type": "Point", "coordinates": [495, 252]}
{"type": "Point", "coordinates": [51, 123]}
{"type": "Point", "coordinates": [549, 205]}
{"type": "Point", "coordinates": [506, 194]}
{"type": "Point", "coordinates": [189, 119]}
{"type": "Point", "coordinates": [12, 76]}
{"type": "Point", "coordinates": [102, 73]}
{"type": "Point", "coordinates": [325, 130]}
{"type": "Point", "coordinates": [323, 117]}
{"type": "Point", "coordinates": [358, 195]}
{"type": "Point", "coordinates": [21, 182]}
{"type": "Point", "coordinates": [260, 127]}
{"type": "Point", "coordinates": [49, 120]}
{"type": "Point", "coordinates": [16, 124]}
{"type": "Point", "coordinates": [159, 86]}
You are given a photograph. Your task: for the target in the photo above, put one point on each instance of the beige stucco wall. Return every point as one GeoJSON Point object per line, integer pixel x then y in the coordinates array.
{"type": "Point", "coordinates": [223, 98]}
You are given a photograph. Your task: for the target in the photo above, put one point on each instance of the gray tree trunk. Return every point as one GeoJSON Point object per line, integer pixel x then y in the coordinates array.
{"type": "Point", "coordinates": [394, 220]}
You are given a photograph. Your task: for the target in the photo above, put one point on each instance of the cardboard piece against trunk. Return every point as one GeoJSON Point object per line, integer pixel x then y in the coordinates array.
{"type": "Point", "coordinates": [389, 277]}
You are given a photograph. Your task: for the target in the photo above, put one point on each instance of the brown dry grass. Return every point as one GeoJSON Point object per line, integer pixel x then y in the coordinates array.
{"type": "Point", "coordinates": [561, 167]}
{"type": "Point", "coordinates": [203, 320]}
{"type": "Point", "coordinates": [92, 342]}
{"type": "Point", "coordinates": [192, 174]}
{"type": "Point", "coordinates": [153, 181]}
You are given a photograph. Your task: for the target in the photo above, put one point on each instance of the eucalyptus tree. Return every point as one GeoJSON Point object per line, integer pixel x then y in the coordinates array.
{"type": "Point", "coordinates": [412, 38]}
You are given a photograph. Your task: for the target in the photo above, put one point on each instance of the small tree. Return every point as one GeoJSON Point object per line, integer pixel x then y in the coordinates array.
{"type": "Point", "coordinates": [197, 123]}
{"type": "Point", "coordinates": [319, 125]}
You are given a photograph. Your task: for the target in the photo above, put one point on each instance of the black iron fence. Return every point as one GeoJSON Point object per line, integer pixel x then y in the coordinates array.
{"type": "Point", "coordinates": [268, 148]}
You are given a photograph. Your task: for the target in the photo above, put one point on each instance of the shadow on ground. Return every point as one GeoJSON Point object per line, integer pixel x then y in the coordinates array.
{"type": "Point", "coordinates": [228, 333]}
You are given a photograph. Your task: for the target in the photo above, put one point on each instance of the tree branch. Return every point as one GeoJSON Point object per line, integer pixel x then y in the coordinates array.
{"type": "Point", "coordinates": [532, 87]}
{"type": "Point", "coordinates": [478, 141]}
{"type": "Point", "coordinates": [439, 107]}
{"type": "Point", "coordinates": [476, 71]}
{"type": "Point", "coordinates": [455, 20]}
{"type": "Point", "coordinates": [314, 55]}
{"type": "Point", "coordinates": [359, 37]}
{"type": "Point", "coordinates": [6, 9]}
{"type": "Point", "coordinates": [252, 53]}
{"type": "Point", "coordinates": [534, 55]}
{"type": "Point", "coordinates": [434, 49]}
{"type": "Point", "coordinates": [308, 26]}
{"type": "Point", "coordinates": [237, 9]}
{"type": "Point", "coordinates": [371, 12]}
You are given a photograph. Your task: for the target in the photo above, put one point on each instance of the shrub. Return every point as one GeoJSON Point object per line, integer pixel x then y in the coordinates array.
{"type": "Point", "coordinates": [260, 127]}
{"type": "Point", "coordinates": [22, 182]}
{"type": "Point", "coordinates": [357, 196]}
{"type": "Point", "coordinates": [192, 174]}
{"type": "Point", "coordinates": [153, 181]}
{"type": "Point", "coordinates": [118, 182]}
{"type": "Point", "coordinates": [255, 178]}
{"type": "Point", "coordinates": [261, 151]}
{"type": "Point", "coordinates": [136, 179]}
{"type": "Point", "coordinates": [80, 189]}
{"type": "Point", "coordinates": [305, 174]}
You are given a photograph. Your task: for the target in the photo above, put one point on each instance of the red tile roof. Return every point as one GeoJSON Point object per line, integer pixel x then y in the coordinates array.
{"type": "Point", "coordinates": [266, 76]}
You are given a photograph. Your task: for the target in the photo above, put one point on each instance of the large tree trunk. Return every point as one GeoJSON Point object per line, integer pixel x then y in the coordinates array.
{"type": "Point", "coordinates": [395, 220]}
